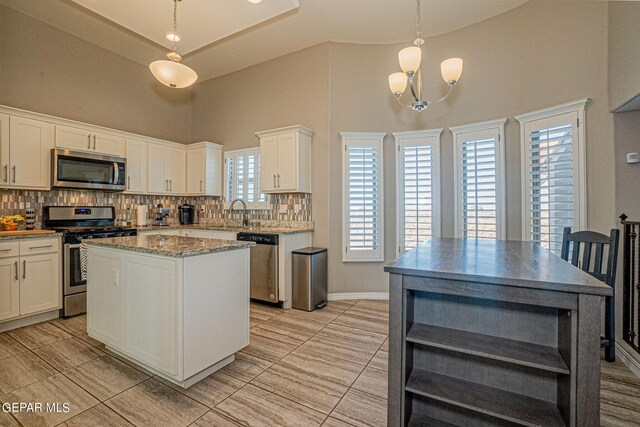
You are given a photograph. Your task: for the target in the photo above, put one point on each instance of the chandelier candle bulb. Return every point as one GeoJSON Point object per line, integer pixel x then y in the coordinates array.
{"type": "Point", "coordinates": [451, 70]}
{"type": "Point", "coordinates": [398, 83]}
{"type": "Point", "coordinates": [410, 58]}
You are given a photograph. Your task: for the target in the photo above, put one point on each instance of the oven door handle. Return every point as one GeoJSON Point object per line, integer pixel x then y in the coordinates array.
{"type": "Point", "coordinates": [116, 173]}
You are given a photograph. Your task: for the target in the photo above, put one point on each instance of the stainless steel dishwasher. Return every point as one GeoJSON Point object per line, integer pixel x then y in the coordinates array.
{"type": "Point", "coordinates": [264, 265]}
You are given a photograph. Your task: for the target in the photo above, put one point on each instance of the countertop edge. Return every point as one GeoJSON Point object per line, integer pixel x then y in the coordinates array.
{"type": "Point", "coordinates": [30, 236]}
{"type": "Point", "coordinates": [172, 254]}
{"type": "Point", "coordinates": [259, 230]}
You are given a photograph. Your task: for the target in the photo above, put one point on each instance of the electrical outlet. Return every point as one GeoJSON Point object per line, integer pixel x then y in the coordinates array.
{"type": "Point", "coordinates": [114, 277]}
{"type": "Point", "coordinates": [633, 157]}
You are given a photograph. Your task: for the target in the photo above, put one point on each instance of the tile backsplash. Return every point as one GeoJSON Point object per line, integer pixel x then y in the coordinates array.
{"type": "Point", "coordinates": [284, 207]}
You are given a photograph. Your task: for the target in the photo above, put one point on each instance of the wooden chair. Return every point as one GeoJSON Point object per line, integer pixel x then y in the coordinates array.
{"type": "Point", "coordinates": [583, 242]}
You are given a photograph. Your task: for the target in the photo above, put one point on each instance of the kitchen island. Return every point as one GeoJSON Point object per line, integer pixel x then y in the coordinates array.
{"type": "Point", "coordinates": [492, 333]}
{"type": "Point", "coordinates": [177, 306]}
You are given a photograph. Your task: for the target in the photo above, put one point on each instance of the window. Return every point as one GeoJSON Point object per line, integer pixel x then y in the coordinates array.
{"type": "Point", "coordinates": [418, 187]}
{"type": "Point", "coordinates": [479, 180]}
{"type": "Point", "coordinates": [553, 167]}
{"type": "Point", "coordinates": [242, 178]}
{"type": "Point", "coordinates": [363, 203]}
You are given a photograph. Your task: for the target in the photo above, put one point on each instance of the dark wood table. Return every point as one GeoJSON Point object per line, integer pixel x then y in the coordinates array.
{"type": "Point", "coordinates": [485, 332]}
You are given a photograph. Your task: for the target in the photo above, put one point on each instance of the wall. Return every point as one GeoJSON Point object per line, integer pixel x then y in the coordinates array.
{"type": "Point", "coordinates": [46, 70]}
{"type": "Point", "coordinates": [290, 90]}
{"type": "Point", "coordinates": [506, 73]}
{"type": "Point", "coordinates": [624, 52]}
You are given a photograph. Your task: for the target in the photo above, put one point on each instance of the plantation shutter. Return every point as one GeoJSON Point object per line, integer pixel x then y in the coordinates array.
{"type": "Point", "coordinates": [418, 182]}
{"type": "Point", "coordinates": [363, 203]}
{"type": "Point", "coordinates": [552, 179]}
{"type": "Point", "coordinates": [242, 178]}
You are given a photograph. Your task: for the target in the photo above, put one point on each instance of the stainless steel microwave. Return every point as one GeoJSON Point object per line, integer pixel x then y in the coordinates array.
{"type": "Point", "coordinates": [75, 169]}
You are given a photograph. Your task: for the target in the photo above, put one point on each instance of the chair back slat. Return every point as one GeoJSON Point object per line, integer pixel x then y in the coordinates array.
{"type": "Point", "coordinates": [575, 255]}
{"type": "Point", "coordinates": [586, 256]}
{"type": "Point", "coordinates": [597, 266]}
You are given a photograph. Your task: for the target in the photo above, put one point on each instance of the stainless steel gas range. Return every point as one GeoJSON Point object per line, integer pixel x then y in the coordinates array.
{"type": "Point", "coordinates": [78, 223]}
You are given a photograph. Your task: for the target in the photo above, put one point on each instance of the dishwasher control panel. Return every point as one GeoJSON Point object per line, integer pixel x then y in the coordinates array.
{"type": "Point", "coordinates": [259, 238]}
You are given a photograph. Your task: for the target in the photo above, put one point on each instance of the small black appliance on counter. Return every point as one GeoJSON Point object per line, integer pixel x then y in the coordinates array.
{"type": "Point", "coordinates": [186, 214]}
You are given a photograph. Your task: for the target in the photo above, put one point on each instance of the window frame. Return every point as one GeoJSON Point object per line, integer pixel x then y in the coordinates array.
{"type": "Point", "coordinates": [363, 139]}
{"type": "Point", "coordinates": [432, 138]}
{"type": "Point", "coordinates": [250, 205]}
{"type": "Point", "coordinates": [472, 132]}
{"type": "Point", "coordinates": [579, 159]}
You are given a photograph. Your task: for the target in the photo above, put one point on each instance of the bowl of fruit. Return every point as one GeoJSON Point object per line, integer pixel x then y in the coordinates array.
{"type": "Point", "coordinates": [11, 222]}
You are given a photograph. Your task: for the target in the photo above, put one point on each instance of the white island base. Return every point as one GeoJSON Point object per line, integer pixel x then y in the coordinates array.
{"type": "Point", "coordinates": [181, 318]}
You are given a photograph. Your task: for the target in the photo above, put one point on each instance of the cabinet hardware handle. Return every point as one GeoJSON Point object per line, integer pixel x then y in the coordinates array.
{"type": "Point", "coordinates": [201, 185]}
{"type": "Point", "coordinates": [5, 175]}
{"type": "Point", "coordinates": [40, 247]}
{"type": "Point", "coordinates": [5, 250]}
{"type": "Point", "coordinates": [16, 276]}
{"type": "Point", "coordinates": [274, 180]}
{"type": "Point", "coordinates": [94, 142]}
{"type": "Point", "coordinates": [24, 269]}
{"type": "Point", "coordinates": [278, 180]}
{"type": "Point", "coordinates": [170, 185]}
{"type": "Point", "coordinates": [128, 183]}
{"type": "Point", "coordinates": [14, 174]}
{"type": "Point", "coordinates": [89, 141]}
{"type": "Point", "coordinates": [166, 185]}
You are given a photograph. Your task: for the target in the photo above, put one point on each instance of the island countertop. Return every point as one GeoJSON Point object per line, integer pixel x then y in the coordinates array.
{"type": "Point", "coordinates": [170, 246]}
{"type": "Point", "coordinates": [501, 262]}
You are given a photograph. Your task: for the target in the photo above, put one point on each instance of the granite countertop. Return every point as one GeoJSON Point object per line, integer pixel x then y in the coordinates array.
{"type": "Point", "coordinates": [171, 246]}
{"type": "Point", "coordinates": [231, 228]}
{"type": "Point", "coordinates": [27, 234]}
{"type": "Point", "coordinates": [499, 262]}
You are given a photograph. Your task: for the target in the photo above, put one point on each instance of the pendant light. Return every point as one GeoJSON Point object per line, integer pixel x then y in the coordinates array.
{"type": "Point", "coordinates": [170, 72]}
{"type": "Point", "coordinates": [410, 59]}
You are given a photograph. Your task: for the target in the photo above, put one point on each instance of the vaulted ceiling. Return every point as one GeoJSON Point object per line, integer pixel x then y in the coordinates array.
{"type": "Point", "coordinates": [222, 36]}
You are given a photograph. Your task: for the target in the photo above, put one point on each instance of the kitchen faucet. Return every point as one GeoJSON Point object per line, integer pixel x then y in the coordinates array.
{"type": "Point", "coordinates": [245, 221]}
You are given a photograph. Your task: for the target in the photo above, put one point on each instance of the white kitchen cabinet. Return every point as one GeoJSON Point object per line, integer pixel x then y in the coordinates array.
{"type": "Point", "coordinates": [204, 169]}
{"type": "Point", "coordinates": [285, 160]}
{"type": "Point", "coordinates": [39, 284]}
{"type": "Point", "coordinates": [166, 170]}
{"type": "Point", "coordinates": [9, 288]}
{"type": "Point", "coordinates": [87, 139]}
{"type": "Point", "coordinates": [137, 159]}
{"type": "Point", "coordinates": [107, 324]}
{"type": "Point", "coordinates": [29, 278]}
{"type": "Point", "coordinates": [26, 153]}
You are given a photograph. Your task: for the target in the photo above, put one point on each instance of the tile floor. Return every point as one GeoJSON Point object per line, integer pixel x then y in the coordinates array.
{"type": "Point", "coordinates": [326, 367]}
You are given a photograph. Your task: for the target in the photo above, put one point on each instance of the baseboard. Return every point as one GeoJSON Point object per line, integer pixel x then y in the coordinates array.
{"type": "Point", "coordinates": [357, 295]}
{"type": "Point", "coordinates": [29, 320]}
{"type": "Point", "coordinates": [623, 353]}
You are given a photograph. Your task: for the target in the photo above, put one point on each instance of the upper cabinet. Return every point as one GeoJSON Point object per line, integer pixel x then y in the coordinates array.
{"type": "Point", "coordinates": [166, 170]}
{"type": "Point", "coordinates": [137, 158]}
{"type": "Point", "coordinates": [204, 169]}
{"type": "Point", "coordinates": [285, 160]}
{"type": "Point", "coordinates": [86, 139]}
{"type": "Point", "coordinates": [25, 153]}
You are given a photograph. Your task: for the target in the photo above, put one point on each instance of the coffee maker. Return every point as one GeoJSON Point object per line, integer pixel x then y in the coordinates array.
{"type": "Point", "coordinates": [186, 214]}
{"type": "Point", "coordinates": [161, 216]}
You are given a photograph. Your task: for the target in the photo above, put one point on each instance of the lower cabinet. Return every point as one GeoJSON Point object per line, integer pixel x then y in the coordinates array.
{"type": "Point", "coordinates": [30, 283]}
{"type": "Point", "coordinates": [9, 288]}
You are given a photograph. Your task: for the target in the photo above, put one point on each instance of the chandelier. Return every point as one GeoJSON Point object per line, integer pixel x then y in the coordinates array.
{"type": "Point", "coordinates": [410, 59]}
{"type": "Point", "coordinates": [170, 72]}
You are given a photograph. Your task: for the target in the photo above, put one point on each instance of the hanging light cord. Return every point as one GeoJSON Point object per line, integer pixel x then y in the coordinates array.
{"type": "Point", "coordinates": [418, 32]}
{"type": "Point", "coordinates": [175, 23]}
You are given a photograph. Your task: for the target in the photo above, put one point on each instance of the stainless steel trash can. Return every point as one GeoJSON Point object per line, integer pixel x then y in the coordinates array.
{"type": "Point", "coordinates": [309, 278]}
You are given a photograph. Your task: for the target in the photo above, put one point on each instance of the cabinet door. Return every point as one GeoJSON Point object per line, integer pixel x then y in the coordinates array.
{"type": "Point", "coordinates": [196, 171]}
{"type": "Point", "coordinates": [73, 138]}
{"type": "Point", "coordinates": [105, 143]}
{"type": "Point", "coordinates": [105, 279]}
{"type": "Point", "coordinates": [177, 165]}
{"type": "Point", "coordinates": [157, 179]}
{"type": "Point", "coordinates": [39, 283]}
{"type": "Point", "coordinates": [136, 166]}
{"type": "Point", "coordinates": [268, 164]}
{"type": "Point", "coordinates": [287, 162]}
{"type": "Point", "coordinates": [151, 311]}
{"type": "Point", "coordinates": [30, 153]}
{"type": "Point", "coordinates": [4, 150]}
{"type": "Point", "coordinates": [9, 288]}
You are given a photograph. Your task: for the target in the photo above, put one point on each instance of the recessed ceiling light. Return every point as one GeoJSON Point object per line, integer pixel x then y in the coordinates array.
{"type": "Point", "coordinates": [172, 37]}
{"type": "Point", "coordinates": [255, 1]}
